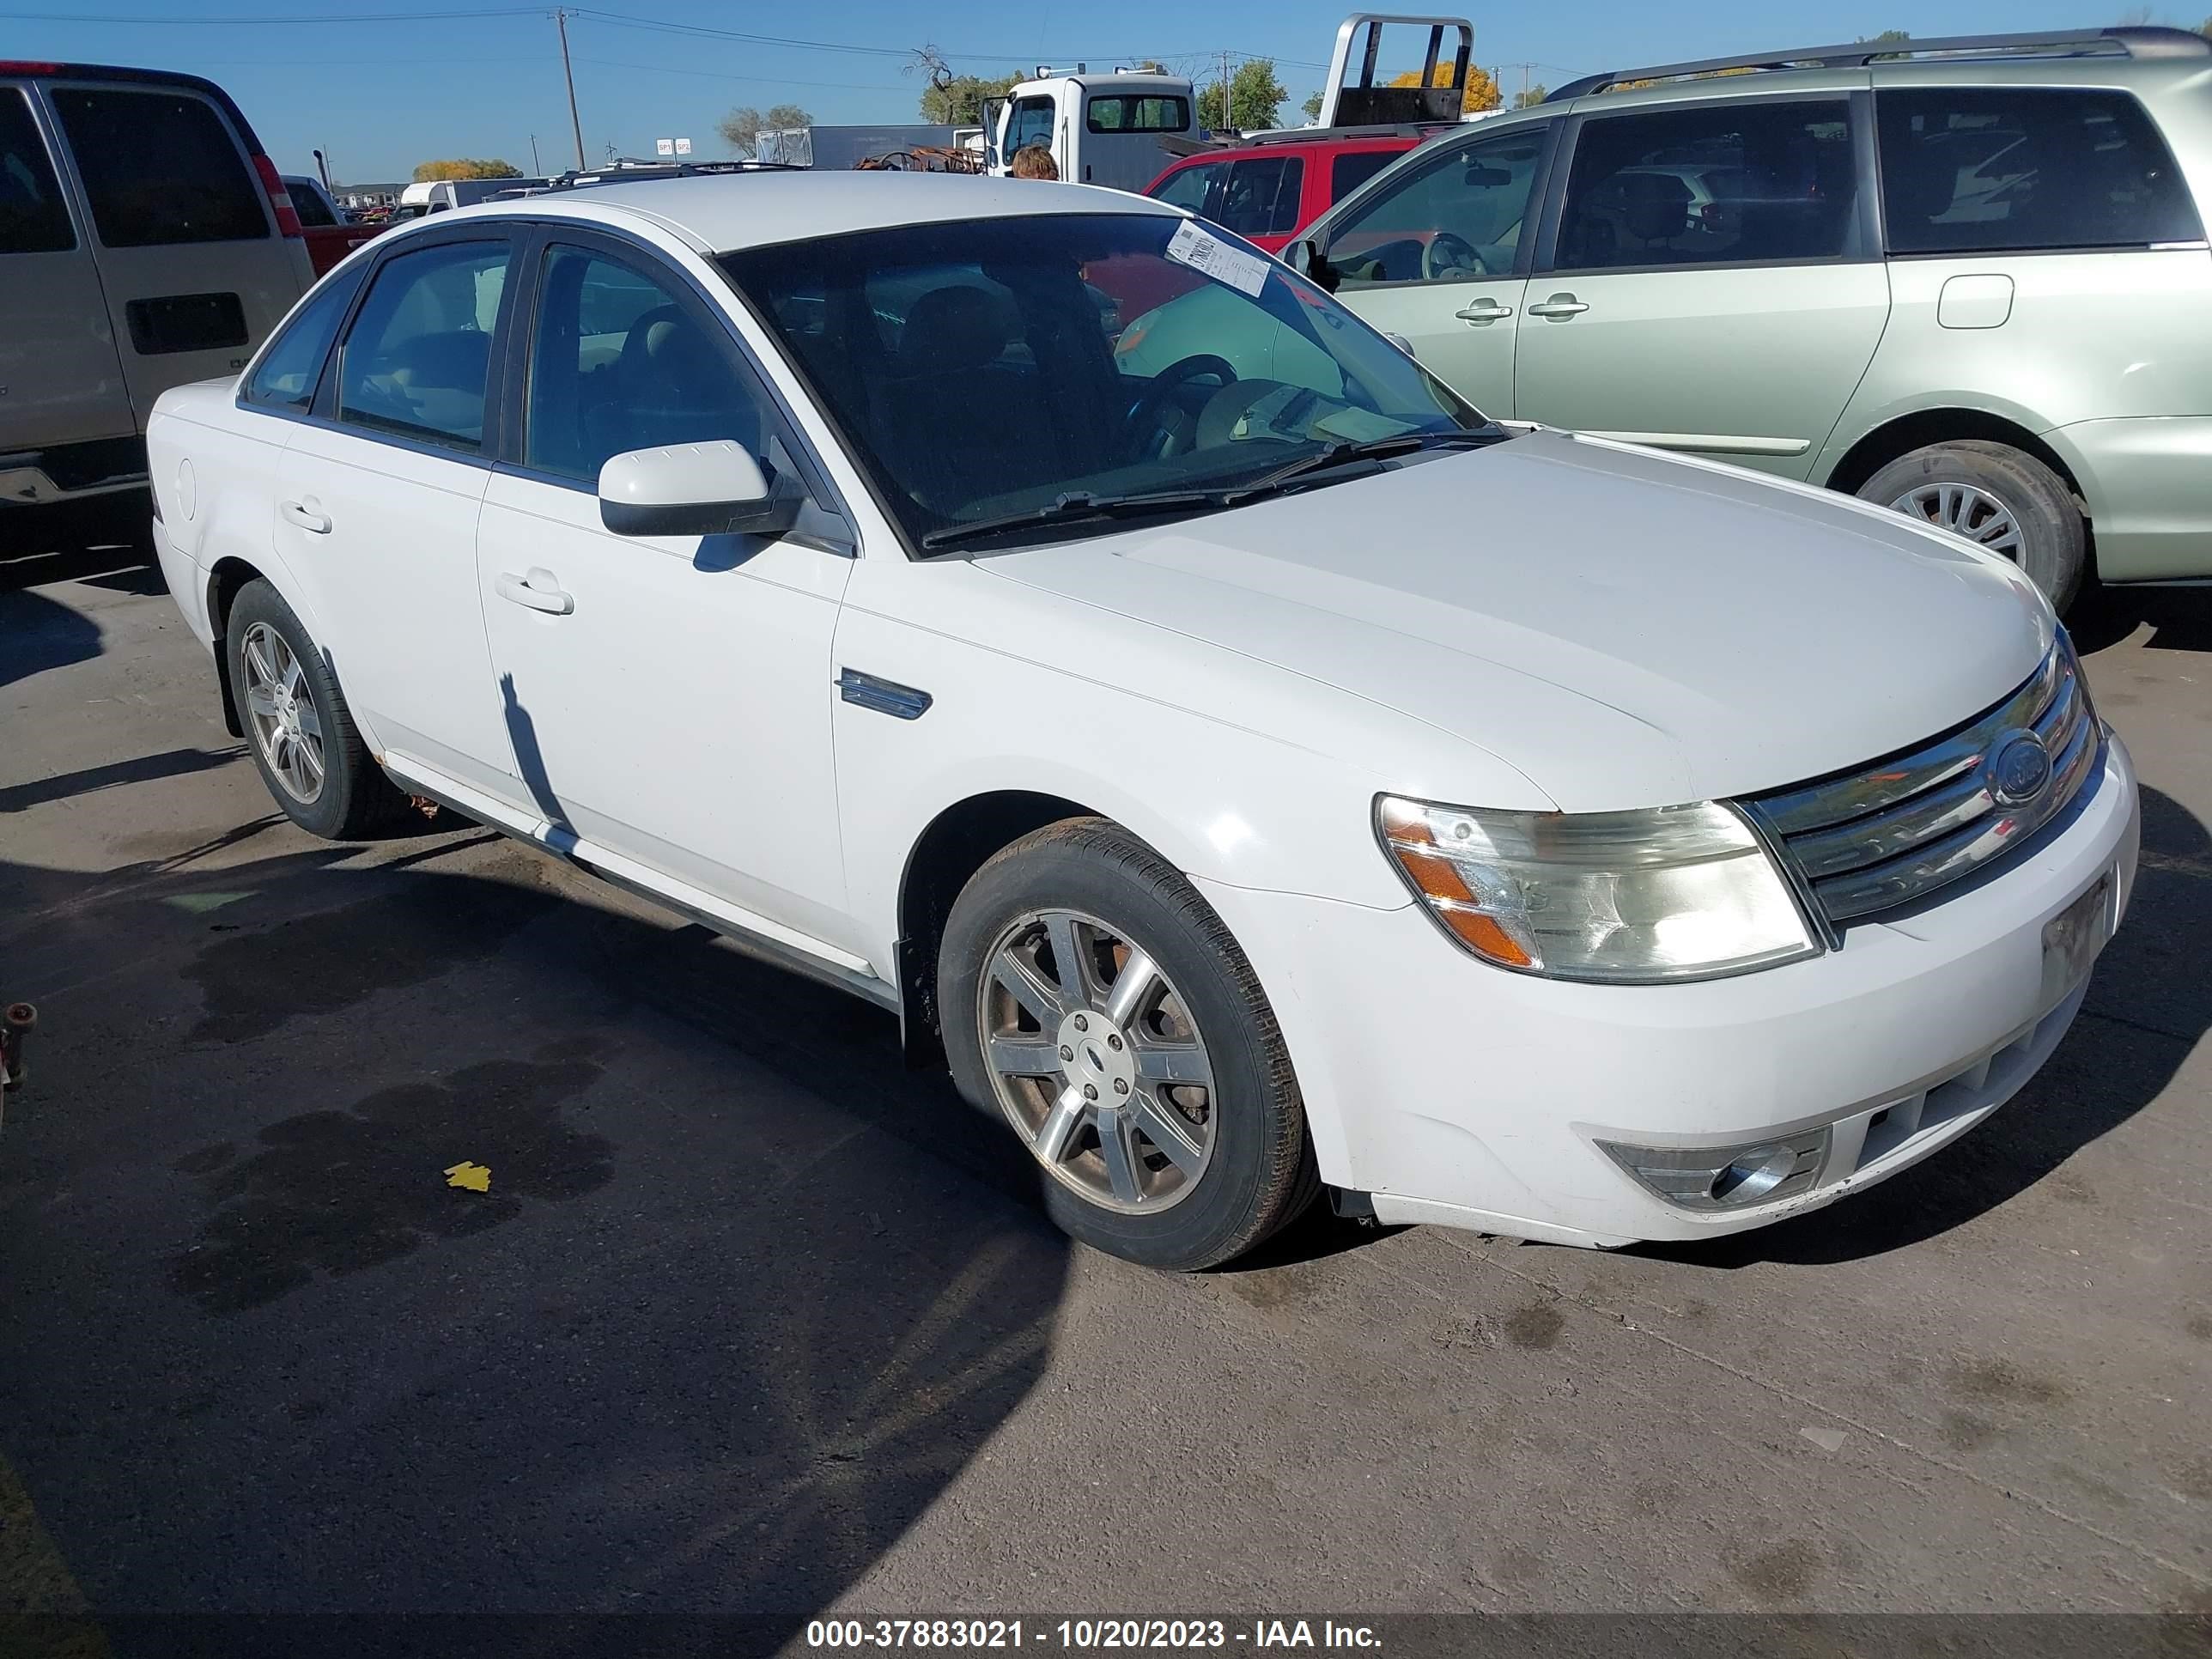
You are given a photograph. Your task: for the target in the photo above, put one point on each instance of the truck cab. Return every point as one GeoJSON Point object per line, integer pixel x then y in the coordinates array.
{"type": "Point", "coordinates": [1101, 129]}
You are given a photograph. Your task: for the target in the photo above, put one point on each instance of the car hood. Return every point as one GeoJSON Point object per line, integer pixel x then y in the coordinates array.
{"type": "Point", "coordinates": [1624, 627]}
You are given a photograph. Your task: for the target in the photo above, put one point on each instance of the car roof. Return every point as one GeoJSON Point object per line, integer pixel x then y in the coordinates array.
{"type": "Point", "coordinates": [723, 214]}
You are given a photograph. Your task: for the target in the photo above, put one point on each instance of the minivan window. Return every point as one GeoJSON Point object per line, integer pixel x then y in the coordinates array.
{"type": "Point", "coordinates": [160, 167]}
{"type": "Point", "coordinates": [617, 364]}
{"type": "Point", "coordinates": [1981, 169]}
{"type": "Point", "coordinates": [1712, 185]}
{"type": "Point", "coordinates": [286, 376]}
{"type": "Point", "coordinates": [1126, 113]}
{"type": "Point", "coordinates": [416, 360]}
{"type": "Point", "coordinates": [1455, 220]}
{"type": "Point", "coordinates": [33, 217]}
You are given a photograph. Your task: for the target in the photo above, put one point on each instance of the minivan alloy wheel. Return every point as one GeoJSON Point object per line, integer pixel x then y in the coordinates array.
{"type": "Point", "coordinates": [1966, 510]}
{"type": "Point", "coordinates": [1096, 1062]}
{"type": "Point", "coordinates": [282, 709]}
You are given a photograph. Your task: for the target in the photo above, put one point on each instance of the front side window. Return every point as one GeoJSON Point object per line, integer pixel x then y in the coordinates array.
{"type": "Point", "coordinates": [993, 368]}
{"type": "Point", "coordinates": [1722, 185]}
{"type": "Point", "coordinates": [418, 357]}
{"type": "Point", "coordinates": [616, 364]}
{"type": "Point", "coordinates": [1262, 197]}
{"type": "Point", "coordinates": [160, 167]}
{"type": "Point", "coordinates": [1456, 218]}
{"type": "Point", "coordinates": [33, 219]}
{"type": "Point", "coordinates": [1030, 123]}
{"type": "Point", "coordinates": [1126, 113]}
{"type": "Point", "coordinates": [1983, 169]}
{"type": "Point", "coordinates": [287, 375]}
{"type": "Point", "coordinates": [1188, 187]}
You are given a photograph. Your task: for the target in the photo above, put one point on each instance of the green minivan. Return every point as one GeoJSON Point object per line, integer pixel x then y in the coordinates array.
{"type": "Point", "coordinates": [1966, 277]}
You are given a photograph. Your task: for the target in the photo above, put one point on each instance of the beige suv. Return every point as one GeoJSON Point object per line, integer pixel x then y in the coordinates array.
{"type": "Point", "coordinates": [1967, 278]}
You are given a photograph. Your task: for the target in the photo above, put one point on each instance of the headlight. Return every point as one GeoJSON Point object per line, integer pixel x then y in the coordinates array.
{"type": "Point", "coordinates": [1675, 892]}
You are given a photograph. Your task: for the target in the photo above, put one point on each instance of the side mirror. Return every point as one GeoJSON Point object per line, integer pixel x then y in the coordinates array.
{"type": "Point", "coordinates": [712, 488]}
{"type": "Point", "coordinates": [1401, 342]}
{"type": "Point", "coordinates": [1305, 256]}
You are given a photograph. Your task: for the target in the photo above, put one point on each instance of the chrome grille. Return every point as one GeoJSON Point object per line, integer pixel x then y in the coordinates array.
{"type": "Point", "coordinates": [1881, 837]}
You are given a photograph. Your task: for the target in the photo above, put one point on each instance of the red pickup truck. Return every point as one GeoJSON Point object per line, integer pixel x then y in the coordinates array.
{"type": "Point", "coordinates": [330, 236]}
{"type": "Point", "coordinates": [1270, 189]}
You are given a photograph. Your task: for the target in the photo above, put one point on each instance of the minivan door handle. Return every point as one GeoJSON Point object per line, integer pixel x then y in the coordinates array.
{"type": "Point", "coordinates": [299, 513]}
{"type": "Point", "coordinates": [1559, 305]}
{"type": "Point", "coordinates": [540, 591]}
{"type": "Point", "coordinates": [1483, 311]}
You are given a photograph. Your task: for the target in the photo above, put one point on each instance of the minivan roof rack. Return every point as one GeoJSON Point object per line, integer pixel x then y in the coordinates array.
{"type": "Point", "coordinates": [2133, 42]}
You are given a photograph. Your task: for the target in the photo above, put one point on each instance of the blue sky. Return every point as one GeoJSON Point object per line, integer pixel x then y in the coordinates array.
{"type": "Point", "coordinates": [380, 93]}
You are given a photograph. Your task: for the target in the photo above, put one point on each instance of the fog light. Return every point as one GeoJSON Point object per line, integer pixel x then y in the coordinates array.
{"type": "Point", "coordinates": [1726, 1178]}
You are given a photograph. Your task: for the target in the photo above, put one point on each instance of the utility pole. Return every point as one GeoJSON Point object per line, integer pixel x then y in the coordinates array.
{"type": "Point", "coordinates": [536, 171]}
{"type": "Point", "coordinates": [1225, 120]}
{"type": "Point", "coordinates": [561, 22]}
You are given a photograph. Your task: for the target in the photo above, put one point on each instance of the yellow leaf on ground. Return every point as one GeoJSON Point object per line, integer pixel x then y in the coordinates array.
{"type": "Point", "coordinates": [476, 1177]}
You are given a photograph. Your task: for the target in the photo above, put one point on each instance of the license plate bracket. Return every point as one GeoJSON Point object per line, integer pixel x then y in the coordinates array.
{"type": "Point", "coordinates": [2072, 939]}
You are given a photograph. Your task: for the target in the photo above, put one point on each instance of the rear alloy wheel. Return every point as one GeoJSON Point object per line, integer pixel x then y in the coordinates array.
{"type": "Point", "coordinates": [1999, 498]}
{"type": "Point", "coordinates": [1093, 1001]}
{"type": "Point", "coordinates": [298, 729]}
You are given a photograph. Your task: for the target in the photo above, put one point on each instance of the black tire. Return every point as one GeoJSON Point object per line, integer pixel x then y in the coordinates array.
{"type": "Point", "coordinates": [356, 801]}
{"type": "Point", "coordinates": [2054, 540]}
{"type": "Point", "coordinates": [1260, 1174]}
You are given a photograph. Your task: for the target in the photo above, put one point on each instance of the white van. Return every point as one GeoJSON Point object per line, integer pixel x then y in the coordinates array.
{"type": "Point", "coordinates": [1101, 129]}
{"type": "Point", "coordinates": [145, 242]}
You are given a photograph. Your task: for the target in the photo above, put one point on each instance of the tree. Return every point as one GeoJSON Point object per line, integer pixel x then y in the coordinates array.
{"type": "Point", "coordinates": [956, 100]}
{"type": "Point", "coordinates": [1254, 96]}
{"type": "Point", "coordinates": [742, 127]}
{"type": "Point", "coordinates": [1481, 91]}
{"type": "Point", "coordinates": [1311, 106]}
{"type": "Point", "coordinates": [462, 168]}
{"type": "Point", "coordinates": [1885, 36]}
{"type": "Point", "coordinates": [1529, 97]}
{"type": "Point", "coordinates": [2204, 29]}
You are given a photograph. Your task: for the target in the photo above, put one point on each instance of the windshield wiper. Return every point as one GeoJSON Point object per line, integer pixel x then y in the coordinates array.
{"type": "Point", "coordinates": [1345, 453]}
{"type": "Point", "coordinates": [1078, 504]}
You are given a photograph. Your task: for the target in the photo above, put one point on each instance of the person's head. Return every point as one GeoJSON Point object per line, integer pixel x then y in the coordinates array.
{"type": "Point", "coordinates": [1034, 161]}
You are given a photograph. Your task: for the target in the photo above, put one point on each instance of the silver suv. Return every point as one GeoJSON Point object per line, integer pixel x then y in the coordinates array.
{"type": "Point", "coordinates": [1965, 277]}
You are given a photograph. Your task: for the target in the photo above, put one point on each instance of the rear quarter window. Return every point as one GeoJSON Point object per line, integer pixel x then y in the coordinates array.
{"type": "Point", "coordinates": [33, 217]}
{"type": "Point", "coordinates": [1987, 169]}
{"type": "Point", "coordinates": [1125, 112]}
{"type": "Point", "coordinates": [160, 167]}
{"type": "Point", "coordinates": [287, 376]}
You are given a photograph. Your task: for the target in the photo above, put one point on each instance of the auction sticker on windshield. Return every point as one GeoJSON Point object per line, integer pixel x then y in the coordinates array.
{"type": "Point", "coordinates": [1191, 247]}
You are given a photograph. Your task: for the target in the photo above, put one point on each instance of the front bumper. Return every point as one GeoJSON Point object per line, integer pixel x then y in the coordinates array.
{"type": "Point", "coordinates": [1457, 1094]}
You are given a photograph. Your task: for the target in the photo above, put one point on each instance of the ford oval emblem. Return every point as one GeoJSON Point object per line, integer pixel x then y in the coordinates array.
{"type": "Point", "coordinates": [2019, 768]}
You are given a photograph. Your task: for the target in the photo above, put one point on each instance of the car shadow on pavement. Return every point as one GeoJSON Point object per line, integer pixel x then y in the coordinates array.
{"type": "Point", "coordinates": [2149, 1003]}
{"type": "Point", "coordinates": [107, 541]}
{"type": "Point", "coordinates": [435, 1242]}
{"type": "Point", "coordinates": [2179, 619]}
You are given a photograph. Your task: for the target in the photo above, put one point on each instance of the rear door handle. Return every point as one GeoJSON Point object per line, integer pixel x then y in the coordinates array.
{"type": "Point", "coordinates": [1559, 305]}
{"type": "Point", "coordinates": [540, 591]}
{"type": "Point", "coordinates": [1483, 311]}
{"type": "Point", "coordinates": [298, 513]}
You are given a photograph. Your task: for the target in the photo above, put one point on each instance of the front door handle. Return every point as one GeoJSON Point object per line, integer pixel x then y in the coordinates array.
{"type": "Point", "coordinates": [298, 512]}
{"type": "Point", "coordinates": [1483, 311]}
{"type": "Point", "coordinates": [1559, 305]}
{"type": "Point", "coordinates": [540, 590]}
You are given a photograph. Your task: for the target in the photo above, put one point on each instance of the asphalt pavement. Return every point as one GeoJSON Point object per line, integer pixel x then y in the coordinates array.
{"type": "Point", "coordinates": [750, 1320]}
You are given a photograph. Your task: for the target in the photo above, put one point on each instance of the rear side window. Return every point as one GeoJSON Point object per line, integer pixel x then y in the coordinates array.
{"type": "Point", "coordinates": [160, 167]}
{"type": "Point", "coordinates": [416, 359]}
{"type": "Point", "coordinates": [1348, 173]}
{"type": "Point", "coordinates": [1125, 112]}
{"type": "Point", "coordinates": [1262, 197]}
{"type": "Point", "coordinates": [1980, 169]}
{"type": "Point", "coordinates": [285, 377]}
{"type": "Point", "coordinates": [1723, 185]}
{"type": "Point", "coordinates": [33, 218]}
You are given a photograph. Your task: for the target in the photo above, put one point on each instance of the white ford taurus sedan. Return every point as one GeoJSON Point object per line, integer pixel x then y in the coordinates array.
{"type": "Point", "coordinates": [1254, 771]}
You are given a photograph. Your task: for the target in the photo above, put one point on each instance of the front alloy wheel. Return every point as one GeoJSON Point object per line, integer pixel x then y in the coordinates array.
{"type": "Point", "coordinates": [1098, 1062]}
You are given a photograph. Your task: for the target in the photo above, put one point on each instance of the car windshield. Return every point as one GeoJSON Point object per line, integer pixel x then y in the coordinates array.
{"type": "Point", "coordinates": [988, 370]}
